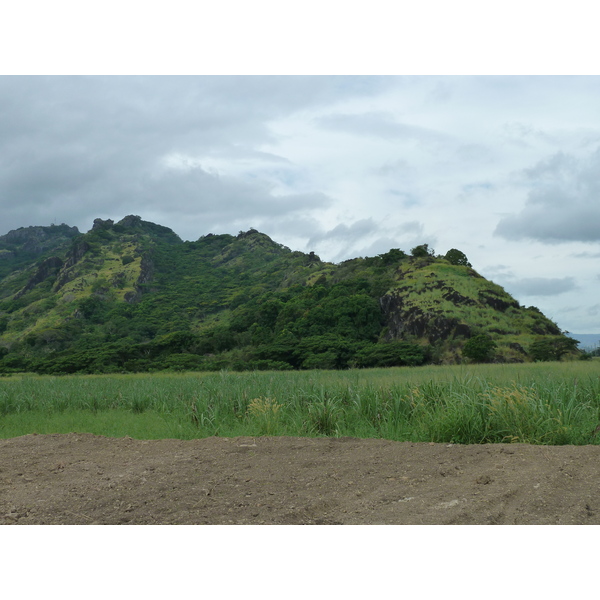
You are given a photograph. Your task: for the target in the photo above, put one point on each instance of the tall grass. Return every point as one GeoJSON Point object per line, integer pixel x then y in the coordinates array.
{"type": "Point", "coordinates": [541, 403]}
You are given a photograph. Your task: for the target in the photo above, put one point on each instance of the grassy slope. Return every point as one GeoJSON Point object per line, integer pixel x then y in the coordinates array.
{"type": "Point", "coordinates": [431, 291]}
{"type": "Point", "coordinates": [101, 268]}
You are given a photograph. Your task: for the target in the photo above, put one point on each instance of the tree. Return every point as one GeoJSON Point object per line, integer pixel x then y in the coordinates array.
{"type": "Point", "coordinates": [390, 354]}
{"type": "Point", "coordinates": [552, 348]}
{"type": "Point", "coordinates": [422, 251]}
{"type": "Point", "coordinates": [456, 257]}
{"type": "Point", "coordinates": [480, 348]}
{"type": "Point", "coordinates": [395, 255]}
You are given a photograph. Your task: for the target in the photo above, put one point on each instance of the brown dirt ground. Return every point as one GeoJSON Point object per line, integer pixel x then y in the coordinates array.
{"type": "Point", "coordinates": [87, 479]}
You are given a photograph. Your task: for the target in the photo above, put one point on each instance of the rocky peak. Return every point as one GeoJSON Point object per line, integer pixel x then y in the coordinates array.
{"type": "Point", "coordinates": [102, 224]}
{"type": "Point", "coordinates": [130, 221]}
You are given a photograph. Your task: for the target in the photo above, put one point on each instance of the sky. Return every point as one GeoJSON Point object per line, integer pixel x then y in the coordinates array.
{"type": "Point", "coordinates": [504, 167]}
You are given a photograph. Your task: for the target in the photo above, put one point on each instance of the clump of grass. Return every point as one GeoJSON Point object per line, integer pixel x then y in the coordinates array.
{"type": "Point", "coordinates": [324, 417]}
{"type": "Point", "coordinates": [514, 414]}
{"type": "Point", "coordinates": [264, 414]}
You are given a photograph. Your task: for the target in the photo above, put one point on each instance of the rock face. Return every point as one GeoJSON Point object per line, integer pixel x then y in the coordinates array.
{"type": "Point", "coordinates": [74, 256]}
{"type": "Point", "coordinates": [494, 299]}
{"type": "Point", "coordinates": [413, 321]}
{"type": "Point", "coordinates": [48, 268]}
{"type": "Point", "coordinates": [145, 277]}
{"type": "Point", "coordinates": [130, 221]}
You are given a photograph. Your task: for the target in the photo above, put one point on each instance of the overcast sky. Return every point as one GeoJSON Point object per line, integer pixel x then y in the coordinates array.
{"type": "Point", "coordinates": [504, 168]}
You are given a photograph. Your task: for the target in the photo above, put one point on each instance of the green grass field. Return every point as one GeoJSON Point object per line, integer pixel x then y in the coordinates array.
{"type": "Point", "coordinates": [537, 403]}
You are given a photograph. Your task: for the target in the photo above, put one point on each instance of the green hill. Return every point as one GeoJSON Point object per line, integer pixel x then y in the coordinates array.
{"type": "Point", "coordinates": [132, 296]}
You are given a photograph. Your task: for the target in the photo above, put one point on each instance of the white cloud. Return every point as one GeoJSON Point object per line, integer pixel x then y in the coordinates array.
{"type": "Point", "coordinates": [368, 238]}
{"type": "Point", "coordinates": [542, 286]}
{"type": "Point", "coordinates": [562, 205]}
{"type": "Point", "coordinates": [378, 124]}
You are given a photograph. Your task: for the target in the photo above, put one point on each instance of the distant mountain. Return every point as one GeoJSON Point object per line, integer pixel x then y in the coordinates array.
{"type": "Point", "coordinates": [132, 296]}
{"type": "Point", "coordinates": [587, 341]}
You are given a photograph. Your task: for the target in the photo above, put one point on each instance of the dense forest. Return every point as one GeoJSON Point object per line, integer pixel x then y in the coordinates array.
{"type": "Point", "coordinates": [132, 296]}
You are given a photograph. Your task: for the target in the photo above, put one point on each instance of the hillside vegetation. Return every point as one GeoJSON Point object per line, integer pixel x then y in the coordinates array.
{"type": "Point", "coordinates": [132, 297]}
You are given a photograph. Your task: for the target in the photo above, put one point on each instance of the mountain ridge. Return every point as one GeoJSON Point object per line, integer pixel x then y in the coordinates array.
{"type": "Point", "coordinates": [132, 296]}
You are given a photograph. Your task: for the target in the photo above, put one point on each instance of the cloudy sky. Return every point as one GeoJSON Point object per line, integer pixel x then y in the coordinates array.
{"type": "Point", "coordinates": [504, 168]}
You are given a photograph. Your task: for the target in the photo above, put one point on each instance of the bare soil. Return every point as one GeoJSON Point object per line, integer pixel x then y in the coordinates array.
{"type": "Point", "coordinates": [87, 479]}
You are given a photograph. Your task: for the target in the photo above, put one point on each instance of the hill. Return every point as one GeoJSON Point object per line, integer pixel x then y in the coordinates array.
{"type": "Point", "coordinates": [132, 296]}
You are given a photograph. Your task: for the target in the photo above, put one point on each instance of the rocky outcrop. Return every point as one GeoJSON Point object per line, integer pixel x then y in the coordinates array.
{"type": "Point", "coordinates": [517, 348]}
{"type": "Point", "coordinates": [48, 268]}
{"type": "Point", "coordinates": [130, 221]}
{"type": "Point", "coordinates": [497, 301]}
{"type": "Point", "coordinates": [102, 224]}
{"type": "Point", "coordinates": [403, 320]}
{"type": "Point", "coordinates": [145, 277]}
{"type": "Point", "coordinates": [146, 271]}
{"type": "Point", "coordinates": [453, 296]}
{"type": "Point", "coordinates": [37, 240]}
{"type": "Point", "coordinates": [244, 234]}
{"type": "Point", "coordinates": [545, 328]}
{"type": "Point", "coordinates": [75, 254]}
